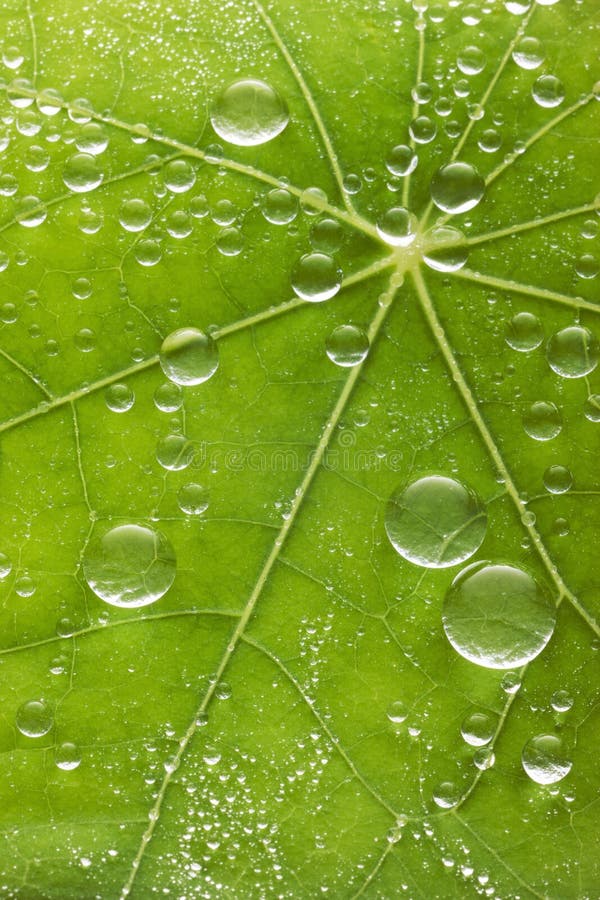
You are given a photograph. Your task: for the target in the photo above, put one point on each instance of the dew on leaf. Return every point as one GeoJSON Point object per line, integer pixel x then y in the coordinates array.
{"type": "Point", "coordinates": [544, 760]}
{"type": "Point", "coordinates": [119, 398]}
{"type": "Point", "coordinates": [557, 479]}
{"type": "Point", "coordinates": [401, 160]}
{"type": "Point", "coordinates": [50, 102]}
{"type": "Point", "coordinates": [397, 227]}
{"type": "Point", "coordinates": [490, 141]}
{"type": "Point", "coordinates": [5, 566]}
{"type": "Point", "coordinates": [591, 408]}
{"type": "Point", "coordinates": [189, 356]}
{"type": "Point", "coordinates": [130, 565]}
{"type": "Point", "coordinates": [179, 176]}
{"type": "Point", "coordinates": [67, 756]}
{"type": "Point", "coordinates": [457, 188]}
{"type": "Point", "coordinates": [529, 53]}
{"type": "Point", "coordinates": [561, 701]}
{"type": "Point", "coordinates": [478, 729]}
{"type": "Point", "coordinates": [397, 712]}
{"type": "Point", "coordinates": [90, 222]}
{"type": "Point", "coordinates": [81, 288]}
{"type": "Point", "coordinates": [422, 130]}
{"type": "Point", "coordinates": [587, 266]}
{"type": "Point", "coordinates": [82, 173]}
{"type": "Point", "coordinates": [35, 718]}
{"type": "Point", "coordinates": [446, 795]}
{"type": "Point", "coordinates": [230, 241]}
{"type": "Point", "coordinates": [147, 252]}
{"type": "Point", "coordinates": [327, 236]}
{"type": "Point", "coordinates": [511, 683]}
{"type": "Point", "coordinates": [471, 61]}
{"type": "Point", "coordinates": [174, 452]}
{"type": "Point", "coordinates": [12, 57]}
{"type": "Point", "coordinates": [316, 277]}
{"type": "Point", "coordinates": [312, 201]}
{"type": "Point", "coordinates": [31, 212]}
{"type": "Point", "coordinates": [20, 93]}
{"type": "Point", "coordinates": [573, 352]}
{"type": "Point", "coordinates": [179, 224]}
{"type": "Point", "coordinates": [542, 420]}
{"type": "Point", "coordinates": [548, 91]}
{"type": "Point", "coordinates": [280, 207]}
{"type": "Point", "coordinates": [435, 522]}
{"type": "Point", "coordinates": [193, 499]}
{"type": "Point", "coordinates": [85, 340]}
{"type": "Point", "coordinates": [168, 397]}
{"type": "Point", "coordinates": [497, 616]}
{"type": "Point", "coordinates": [135, 215]}
{"type": "Point", "coordinates": [352, 183]}
{"type": "Point", "coordinates": [484, 758]}
{"type": "Point", "coordinates": [25, 586]}
{"type": "Point", "coordinates": [347, 345]}
{"type": "Point", "coordinates": [249, 112]}
{"type": "Point", "coordinates": [92, 139]}
{"type": "Point", "coordinates": [524, 332]}
{"type": "Point", "coordinates": [199, 207]}
{"type": "Point", "coordinates": [443, 249]}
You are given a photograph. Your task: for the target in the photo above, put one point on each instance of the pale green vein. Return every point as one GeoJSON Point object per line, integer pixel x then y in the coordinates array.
{"type": "Point", "coordinates": [219, 333]}
{"type": "Point", "coordinates": [82, 478]}
{"type": "Point", "coordinates": [34, 47]}
{"type": "Point", "coordinates": [374, 871]}
{"type": "Point", "coordinates": [310, 102]}
{"type": "Point", "coordinates": [460, 381]}
{"type": "Point", "coordinates": [528, 290]}
{"type": "Point", "coordinates": [25, 371]}
{"type": "Point", "coordinates": [301, 493]}
{"type": "Point", "coordinates": [528, 226]}
{"type": "Point", "coordinates": [420, 25]}
{"type": "Point", "coordinates": [322, 723]}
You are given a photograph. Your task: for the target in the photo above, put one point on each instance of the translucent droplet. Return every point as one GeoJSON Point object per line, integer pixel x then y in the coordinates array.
{"type": "Point", "coordinates": [193, 499]}
{"type": "Point", "coordinates": [511, 683]}
{"type": "Point", "coordinates": [446, 795]}
{"type": "Point", "coordinates": [249, 112]}
{"type": "Point", "coordinates": [529, 53]}
{"type": "Point", "coordinates": [443, 249]}
{"type": "Point", "coordinates": [224, 212]}
{"type": "Point", "coordinates": [435, 522]}
{"type": "Point", "coordinates": [497, 616]}
{"type": "Point", "coordinates": [25, 586]}
{"type": "Point", "coordinates": [85, 340]}
{"type": "Point", "coordinates": [280, 207]}
{"type": "Point", "coordinates": [82, 173]}
{"type": "Point", "coordinates": [230, 242]}
{"type": "Point", "coordinates": [457, 187]}
{"type": "Point", "coordinates": [484, 758]}
{"type": "Point", "coordinates": [313, 201]}
{"type": "Point", "coordinates": [422, 130]}
{"type": "Point", "coordinates": [347, 345]}
{"type": "Point", "coordinates": [587, 266]}
{"type": "Point", "coordinates": [402, 160]}
{"type": "Point", "coordinates": [573, 352]}
{"type": "Point", "coordinates": [548, 91]}
{"type": "Point", "coordinates": [561, 701]}
{"type": "Point", "coordinates": [397, 712]}
{"type": "Point", "coordinates": [67, 757]}
{"type": "Point", "coordinates": [175, 452]}
{"type": "Point", "coordinates": [130, 565]}
{"type": "Point", "coordinates": [327, 236]}
{"type": "Point", "coordinates": [557, 479]}
{"type": "Point", "coordinates": [35, 718]}
{"type": "Point", "coordinates": [591, 408]}
{"type": "Point", "coordinates": [471, 61]}
{"type": "Point", "coordinates": [543, 759]}
{"type": "Point", "coordinates": [119, 397]}
{"type": "Point", "coordinates": [147, 252]}
{"type": "Point", "coordinates": [524, 332]}
{"type": "Point", "coordinates": [12, 57]}
{"type": "Point", "coordinates": [490, 141]}
{"type": "Point", "coordinates": [397, 227]}
{"type": "Point", "coordinates": [542, 421]}
{"type": "Point", "coordinates": [31, 212]}
{"type": "Point", "coordinates": [5, 566]}
{"type": "Point", "coordinates": [168, 397]}
{"type": "Point", "coordinates": [352, 184]}
{"type": "Point", "coordinates": [316, 277]}
{"type": "Point", "coordinates": [92, 139]}
{"type": "Point", "coordinates": [179, 176]}
{"type": "Point", "coordinates": [189, 356]}
{"type": "Point", "coordinates": [135, 215]}
{"type": "Point", "coordinates": [179, 224]}
{"type": "Point", "coordinates": [478, 729]}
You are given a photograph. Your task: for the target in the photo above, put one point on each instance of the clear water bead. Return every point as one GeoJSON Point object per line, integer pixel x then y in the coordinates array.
{"type": "Point", "coordinates": [188, 356]}
{"type": "Point", "coordinates": [249, 112]}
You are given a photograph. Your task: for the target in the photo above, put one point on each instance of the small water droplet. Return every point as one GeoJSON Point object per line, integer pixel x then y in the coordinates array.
{"type": "Point", "coordinates": [347, 345]}
{"type": "Point", "coordinates": [422, 130]}
{"type": "Point", "coordinates": [5, 566]}
{"type": "Point", "coordinates": [316, 277]}
{"type": "Point", "coordinates": [397, 227]}
{"type": "Point", "coordinates": [443, 250]}
{"type": "Point", "coordinates": [561, 701]}
{"type": "Point", "coordinates": [35, 718]}
{"type": "Point", "coordinates": [446, 795]}
{"type": "Point", "coordinates": [85, 340]}
{"type": "Point", "coordinates": [542, 421]}
{"type": "Point", "coordinates": [147, 252]}
{"type": "Point", "coordinates": [471, 61]}
{"type": "Point", "coordinates": [543, 759]}
{"type": "Point", "coordinates": [573, 352]}
{"type": "Point", "coordinates": [67, 756]}
{"type": "Point", "coordinates": [193, 499]}
{"type": "Point", "coordinates": [249, 112]}
{"type": "Point", "coordinates": [397, 712]}
{"type": "Point", "coordinates": [557, 479]}
{"type": "Point", "coordinates": [484, 758]}
{"type": "Point", "coordinates": [511, 683]}
{"type": "Point", "coordinates": [189, 356]}
{"type": "Point", "coordinates": [175, 452]}
{"type": "Point", "coordinates": [230, 241]}
{"type": "Point", "coordinates": [31, 212]}
{"type": "Point", "coordinates": [529, 53]}
{"type": "Point", "coordinates": [524, 332]}
{"type": "Point", "coordinates": [457, 188]}
{"type": "Point", "coordinates": [591, 408]}
{"type": "Point", "coordinates": [587, 266]}
{"type": "Point", "coordinates": [168, 397]}
{"type": "Point", "coordinates": [478, 729]}
{"type": "Point", "coordinates": [548, 91]}
{"type": "Point", "coordinates": [135, 215]}
{"type": "Point", "coordinates": [280, 207]}
{"type": "Point", "coordinates": [119, 397]}
{"type": "Point", "coordinates": [327, 236]}
{"type": "Point", "coordinates": [92, 139]}
{"type": "Point", "coordinates": [82, 173]}
{"type": "Point", "coordinates": [401, 160]}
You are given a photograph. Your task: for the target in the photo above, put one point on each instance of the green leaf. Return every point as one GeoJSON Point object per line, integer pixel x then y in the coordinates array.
{"type": "Point", "coordinates": [281, 711]}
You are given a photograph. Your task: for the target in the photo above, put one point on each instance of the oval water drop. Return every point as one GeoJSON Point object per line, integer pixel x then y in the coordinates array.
{"type": "Point", "coordinates": [397, 227]}
{"type": "Point", "coordinates": [548, 91]}
{"type": "Point", "coordinates": [179, 176]}
{"type": "Point", "coordinates": [573, 352]}
{"type": "Point", "coordinates": [67, 757]}
{"type": "Point", "coordinates": [543, 759]}
{"type": "Point", "coordinates": [175, 452]}
{"type": "Point", "coordinates": [524, 332]}
{"type": "Point", "coordinates": [119, 398]}
{"type": "Point", "coordinates": [189, 356]}
{"type": "Point", "coordinates": [401, 160]}
{"type": "Point", "coordinates": [193, 499]}
{"type": "Point", "coordinates": [82, 173]}
{"type": "Point", "coordinates": [529, 53]}
{"type": "Point", "coordinates": [557, 479]}
{"type": "Point", "coordinates": [457, 188]}
{"type": "Point", "coordinates": [443, 250]}
{"type": "Point", "coordinates": [249, 112]}
{"type": "Point", "coordinates": [347, 345]}
{"type": "Point", "coordinates": [478, 729]}
{"type": "Point", "coordinates": [35, 718]}
{"type": "Point", "coordinates": [280, 207]}
{"type": "Point", "coordinates": [135, 215]}
{"type": "Point", "coordinates": [542, 421]}
{"type": "Point", "coordinates": [316, 277]}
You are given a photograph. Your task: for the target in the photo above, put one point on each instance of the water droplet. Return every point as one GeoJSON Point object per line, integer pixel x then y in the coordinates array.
{"type": "Point", "coordinates": [457, 187]}
{"type": "Point", "coordinates": [12, 57]}
{"type": "Point", "coordinates": [193, 499]}
{"type": "Point", "coordinates": [587, 266]}
{"type": "Point", "coordinates": [280, 207]}
{"type": "Point", "coordinates": [82, 173]}
{"type": "Point", "coordinates": [168, 397]}
{"type": "Point", "coordinates": [422, 130]}
{"type": "Point", "coordinates": [199, 206]}
{"type": "Point", "coordinates": [524, 332]}
{"type": "Point", "coordinates": [471, 61]}
{"type": "Point", "coordinates": [397, 227]}
{"type": "Point", "coordinates": [316, 277]}
{"type": "Point", "coordinates": [548, 91]}
{"type": "Point", "coordinates": [478, 729]}
{"type": "Point", "coordinates": [402, 160]}
{"type": "Point", "coordinates": [397, 712]}
{"type": "Point", "coordinates": [490, 141]}
{"type": "Point", "coordinates": [135, 215]}
{"type": "Point", "coordinates": [591, 408]}
{"type": "Point", "coordinates": [188, 356]}
{"type": "Point", "coordinates": [557, 479]}
{"type": "Point", "coordinates": [85, 340]}
{"type": "Point", "coordinates": [529, 53]}
{"type": "Point", "coordinates": [175, 452]}
{"type": "Point", "coordinates": [31, 212]}
{"type": "Point", "coordinates": [5, 566]}
{"type": "Point", "coordinates": [327, 235]}
{"type": "Point", "coordinates": [446, 795]}
{"type": "Point", "coordinates": [179, 224]}
{"type": "Point", "coordinates": [67, 757]}
{"type": "Point", "coordinates": [543, 759]}
{"type": "Point", "coordinates": [561, 701]}
{"type": "Point", "coordinates": [511, 683]}
{"type": "Point", "coordinates": [573, 352]}
{"type": "Point", "coordinates": [147, 252]}
{"type": "Point", "coordinates": [119, 397]}
{"type": "Point", "coordinates": [443, 251]}
{"type": "Point", "coordinates": [435, 522]}
{"type": "Point", "coordinates": [484, 758]}
{"type": "Point", "coordinates": [35, 718]}
{"type": "Point", "coordinates": [249, 112]}
{"type": "Point", "coordinates": [230, 241]}
{"type": "Point", "coordinates": [130, 565]}
{"type": "Point", "coordinates": [542, 421]}
{"type": "Point", "coordinates": [92, 139]}
{"type": "Point", "coordinates": [352, 184]}
{"type": "Point", "coordinates": [25, 586]}
{"type": "Point", "coordinates": [347, 345]}
{"type": "Point", "coordinates": [497, 616]}
{"type": "Point", "coordinates": [179, 176]}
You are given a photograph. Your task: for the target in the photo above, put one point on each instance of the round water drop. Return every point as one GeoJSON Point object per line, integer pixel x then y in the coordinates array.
{"type": "Point", "coordinates": [67, 756]}
{"type": "Point", "coordinates": [591, 408]}
{"type": "Point", "coordinates": [179, 176]}
{"type": "Point", "coordinates": [435, 522]}
{"type": "Point", "coordinates": [230, 241]}
{"type": "Point", "coordinates": [12, 57]}
{"type": "Point", "coordinates": [280, 207]}
{"type": "Point", "coordinates": [548, 91]}
{"type": "Point", "coordinates": [558, 479]}
{"type": "Point", "coordinates": [85, 340]}
{"type": "Point", "coordinates": [312, 201]}
{"type": "Point", "coordinates": [490, 141]}
{"type": "Point", "coordinates": [397, 227]}
{"type": "Point", "coordinates": [119, 398]}
{"type": "Point", "coordinates": [327, 235]}
{"type": "Point", "coordinates": [443, 250]}
{"type": "Point", "coordinates": [316, 277]}
{"type": "Point", "coordinates": [35, 718]}
{"type": "Point", "coordinates": [484, 758]}
{"type": "Point", "coordinates": [92, 139]}
{"type": "Point", "coordinates": [397, 712]}
{"type": "Point", "coordinates": [31, 212]}
{"type": "Point", "coordinates": [179, 224]}
{"type": "Point", "coordinates": [249, 112]}
{"type": "Point", "coordinates": [471, 61]}
{"type": "Point", "coordinates": [5, 566]}
{"type": "Point", "coordinates": [82, 173]}
{"type": "Point", "coordinates": [446, 795]}
{"type": "Point", "coordinates": [199, 207]}
{"type": "Point", "coordinates": [457, 187]}
{"type": "Point", "coordinates": [529, 53]}
{"type": "Point", "coordinates": [168, 397]}
{"type": "Point", "coordinates": [497, 616]}
{"type": "Point", "coordinates": [147, 252]}
{"type": "Point", "coordinates": [193, 499]}
{"type": "Point", "coordinates": [174, 452]}
{"type": "Point", "coordinates": [130, 565]}
{"type": "Point", "coordinates": [347, 345]}
{"type": "Point", "coordinates": [524, 332]}
{"type": "Point", "coordinates": [587, 266]}
{"type": "Point", "coordinates": [402, 160]}
{"type": "Point", "coordinates": [573, 352]}
{"type": "Point", "coordinates": [542, 421]}
{"type": "Point", "coordinates": [352, 183]}
{"type": "Point", "coordinates": [478, 729]}
{"type": "Point", "coordinates": [561, 701]}
{"type": "Point", "coordinates": [422, 130]}
{"type": "Point", "coordinates": [189, 356]}
{"type": "Point", "coordinates": [135, 215]}
{"type": "Point", "coordinates": [511, 683]}
{"type": "Point", "coordinates": [543, 759]}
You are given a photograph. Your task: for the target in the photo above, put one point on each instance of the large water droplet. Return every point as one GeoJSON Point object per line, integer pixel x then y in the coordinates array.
{"type": "Point", "coordinates": [347, 345]}
{"type": "Point", "coordinates": [548, 91]}
{"type": "Point", "coordinates": [82, 173]}
{"type": "Point", "coordinates": [543, 759]}
{"type": "Point", "coordinates": [174, 452]}
{"type": "Point", "coordinates": [249, 112]}
{"type": "Point", "coordinates": [188, 356]}
{"type": "Point", "coordinates": [35, 718]}
{"type": "Point", "coordinates": [316, 277]}
{"type": "Point", "coordinates": [528, 53]}
{"type": "Point", "coordinates": [130, 565]}
{"type": "Point", "coordinates": [135, 215]}
{"type": "Point", "coordinates": [524, 332]}
{"type": "Point", "coordinates": [497, 615]}
{"type": "Point", "coordinates": [401, 160]}
{"type": "Point", "coordinates": [280, 207]}
{"type": "Point", "coordinates": [573, 352]}
{"type": "Point", "coordinates": [457, 187]}
{"type": "Point", "coordinates": [478, 729]}
{"type": "Point", "coordinates": [397, 227]}
{"type": "Point", "coordinates": [471, 61]}
{"type": "Point", "coordinates": [435, 522]}
{"type": "Point", "coordinates": [542, 420]}
{"type": "Point", "coordinates": [557, 479]}
{"type": "Point", "coordinates": [443, 250]}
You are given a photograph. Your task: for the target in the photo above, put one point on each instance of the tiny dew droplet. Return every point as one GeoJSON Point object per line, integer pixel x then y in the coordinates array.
{"type": "Point", "coordinates": [397, 712]}
{"type": "Point", "coordinates": [316, 277]}
{"type": "Point", "coordinates": [35, 718]}
{"type": "Point", "coordinates": [478, 729]}
{"type": "Point", "coordinates": [119, 398]}
{"type": "Point", "coordinates": [457, 188]}
{"type": "Point", "coordinates": [524, 332]}
{"type": "Point", "coordinates": [189, 356]}
{"type": "Point", "coordinates": [249, 112]}
{"type": "Point", "coordinates": [557, 479]}
{"type": "Point", "coordinates": [543, 759]}
{"type": "Point", "coordinates": [444, 250]}
{"type": "Point", "coordinates": [82, 173]}
{"type": "Point", "coordinates": [193, 499]}
{"type": "Point", "coordinates": [67, 757]}
{"type": "Point", "coordinates": [327, 235]}
{"type": "Point", "coordinates": [542, 421]}
{"type": "Point", "coordinates": [347, 345]}
{"type": "Point", "coordinates": [573, 352]}
{"type": "Point", "coordinates": [471, 61]}
{"type": "Point", "coordinates": [130, 565]}
{"type": "Point", "coordinates": [397, 227]}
